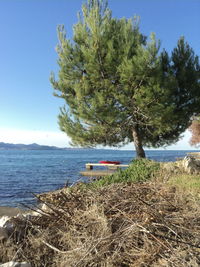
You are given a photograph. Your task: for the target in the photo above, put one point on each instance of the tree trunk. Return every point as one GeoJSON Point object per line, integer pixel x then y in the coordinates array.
{"type": "Point", "coordinates": [138, 144]}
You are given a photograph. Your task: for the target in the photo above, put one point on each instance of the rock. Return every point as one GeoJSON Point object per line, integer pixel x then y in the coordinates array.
{"type": "Point", "coordinates": [170, 167]}
{"type": "Point", "coordinates": [10, 226]}
{"type": "Point", "coordinates": [191, 165]}
{"type": "Point", "coordinates": [44, 207]}
{"type": "Point", "coordinates": [15, 264]}
{"type": "Point", "coordinates": [16, 226]}
{"type": "Point", "coordinates": [3, 234]}
{"type": "Point", "coordinates": [3, 220]}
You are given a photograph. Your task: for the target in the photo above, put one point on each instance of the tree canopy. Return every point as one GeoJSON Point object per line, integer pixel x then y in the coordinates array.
{"type": "Point", "coordinates": [119, 87]}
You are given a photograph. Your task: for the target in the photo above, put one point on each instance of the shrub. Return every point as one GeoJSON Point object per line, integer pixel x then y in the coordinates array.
{"type": "Point", "coordinates": [139, 170]}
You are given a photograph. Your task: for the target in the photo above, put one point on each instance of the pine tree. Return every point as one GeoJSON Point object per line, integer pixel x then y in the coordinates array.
{"type": "Point", "coordinates": [118, 87]}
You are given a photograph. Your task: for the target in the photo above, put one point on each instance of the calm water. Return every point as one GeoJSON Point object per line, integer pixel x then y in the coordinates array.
{"type": "Point", "coordinates": [23, 172]}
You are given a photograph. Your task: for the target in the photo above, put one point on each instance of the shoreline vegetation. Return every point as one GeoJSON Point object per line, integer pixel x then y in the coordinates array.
{"type": "Point", "coordinates": [146, 215]}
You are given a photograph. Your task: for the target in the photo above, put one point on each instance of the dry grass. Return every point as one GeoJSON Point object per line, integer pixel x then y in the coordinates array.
{"type": "Point", "coordinates": [120, 225]}
{"type": "Point", "coordinates": [187, 182]}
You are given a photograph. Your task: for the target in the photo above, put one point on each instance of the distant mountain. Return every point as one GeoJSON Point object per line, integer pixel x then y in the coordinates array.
{"type": "Point", "coordinates": [6, 146]}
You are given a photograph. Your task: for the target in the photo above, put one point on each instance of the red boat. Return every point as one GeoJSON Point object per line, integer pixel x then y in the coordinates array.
{"type": "Point", "coordinates": [109, 162]}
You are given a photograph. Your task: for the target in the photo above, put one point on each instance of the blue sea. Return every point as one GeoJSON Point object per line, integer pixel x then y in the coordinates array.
{"type": "Point", "coordinates": [23, 172]}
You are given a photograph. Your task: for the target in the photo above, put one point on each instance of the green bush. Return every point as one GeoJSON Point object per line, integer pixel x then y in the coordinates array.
{"type": "Point", "coordinates": [139, 170]}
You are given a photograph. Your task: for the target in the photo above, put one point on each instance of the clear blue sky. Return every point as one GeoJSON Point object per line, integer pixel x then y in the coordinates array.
{"type": "Point", "coordinates": [27, 55]}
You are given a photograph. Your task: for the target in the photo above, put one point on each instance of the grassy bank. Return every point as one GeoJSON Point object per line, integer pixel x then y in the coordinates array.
{"type": "Point", "coordinates": [142, 216]}
{"type": "Point", "coordinates": [187, 182]}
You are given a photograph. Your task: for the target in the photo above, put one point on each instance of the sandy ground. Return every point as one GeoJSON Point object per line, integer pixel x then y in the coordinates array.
{"type": "Point", "coordinates": [9, 211]}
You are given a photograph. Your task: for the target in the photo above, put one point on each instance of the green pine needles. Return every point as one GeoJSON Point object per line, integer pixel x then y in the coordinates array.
{"type": "Point", "coordinates": [119, 87]}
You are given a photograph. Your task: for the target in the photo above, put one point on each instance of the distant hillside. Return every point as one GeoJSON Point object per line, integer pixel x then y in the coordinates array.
{"type": "Point", "coordinates": [6, 146]}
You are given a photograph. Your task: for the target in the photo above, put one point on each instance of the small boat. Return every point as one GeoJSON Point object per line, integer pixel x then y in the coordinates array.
{"type": "Point", "coordinates": [110, 162]}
